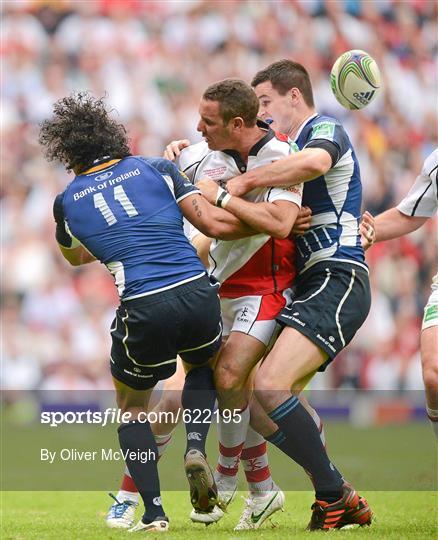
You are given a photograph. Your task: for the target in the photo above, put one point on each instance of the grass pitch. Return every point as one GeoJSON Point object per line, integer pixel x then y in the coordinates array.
{"type": "Point", "coordinates": [47, 515]}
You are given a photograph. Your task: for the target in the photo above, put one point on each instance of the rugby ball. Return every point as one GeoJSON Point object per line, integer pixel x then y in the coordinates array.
{"type": "Point", "coordinates": [355, 79]}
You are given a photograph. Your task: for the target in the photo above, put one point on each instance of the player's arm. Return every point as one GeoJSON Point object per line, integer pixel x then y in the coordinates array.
{"type": "Point", "coordinates": [326, 144]}
{"type": "Point", "coordinates": [415, 209]}
{"type": "Point", "coordinates": [72, 250]}
{"type": "Point", "coordinates": [274, 218]}
{"type": "Point", "coordinates": [202, 245]}
{"type": "Point", "coordinates": [410, 214]}
{"type": "Point", "coordinates": [302, 166]}
{"type": "Point", "coordinates": [393, 223]}
{"type": "Point", "coordinates": [211, 221]}
{"type": "Point", "coordinates": [235, 230]}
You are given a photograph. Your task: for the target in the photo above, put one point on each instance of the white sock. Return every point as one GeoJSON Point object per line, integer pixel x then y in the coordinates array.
{"type": "Point", "coordinates": [127, 496]}
{"type": "Point", "coordinates": [255, 463]}
{"type": "Point", "coordinates": [232, 437]}
{"type": "Point", "coordinates": [253, 438]}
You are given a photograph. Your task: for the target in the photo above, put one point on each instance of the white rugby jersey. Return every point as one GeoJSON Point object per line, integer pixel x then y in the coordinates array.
{"type": "Point", "coordinates": [422, 199]}
{"type": "Point", "coordinates": [257, 265]}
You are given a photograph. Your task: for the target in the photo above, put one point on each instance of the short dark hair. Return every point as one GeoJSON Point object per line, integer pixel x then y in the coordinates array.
{"type": "Point", "coordinates": [284, 75]}
{"type": "Point", "coordinates": [236, 98]}
{"type": "Point", "coordinates": [82, 131]}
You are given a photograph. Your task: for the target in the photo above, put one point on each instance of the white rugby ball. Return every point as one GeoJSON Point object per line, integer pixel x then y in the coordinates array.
{"type": "Point", "coordinates": [355, 79]}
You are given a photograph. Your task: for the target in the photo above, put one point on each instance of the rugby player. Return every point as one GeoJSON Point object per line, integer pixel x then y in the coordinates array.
{"type": "Point", "coordinates": [126, 212]}
{"type": "Point", "coordinates": [255, 275]}
{"type": "Point", "coordinates": [410, 214]}
{"type": "Point", "coordinates": [332, 294]}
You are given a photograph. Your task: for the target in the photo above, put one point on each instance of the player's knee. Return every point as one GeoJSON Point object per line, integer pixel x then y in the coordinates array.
{"type": "Point", "coordinates": [265, 385]}
{"type": "Point", "coordinates": [266, 380]}
{"type": "Point", "coordinates": [227, 379]}
{"type": "Point", "coordinates": [430, 374]}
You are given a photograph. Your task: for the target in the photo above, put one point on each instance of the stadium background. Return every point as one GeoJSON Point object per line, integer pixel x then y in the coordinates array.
{"type": "Point", "coordinates": [153, 59]}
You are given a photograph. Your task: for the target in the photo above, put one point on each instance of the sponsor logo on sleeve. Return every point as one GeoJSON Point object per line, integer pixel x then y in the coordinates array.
{"type": "Point", "coordinates": [324, 130]}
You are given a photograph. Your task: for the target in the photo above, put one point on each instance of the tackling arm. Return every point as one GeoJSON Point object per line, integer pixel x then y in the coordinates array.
{"type": "Point", "coordinates": [273, 218]}
{"type": "Point", "coordinates": [302, 166]}
{"type": "Point", "coordinates": [211, 221]}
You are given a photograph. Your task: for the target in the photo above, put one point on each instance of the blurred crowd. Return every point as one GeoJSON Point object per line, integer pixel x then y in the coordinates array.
{"type": "Point", "coordinates": [152, 59]}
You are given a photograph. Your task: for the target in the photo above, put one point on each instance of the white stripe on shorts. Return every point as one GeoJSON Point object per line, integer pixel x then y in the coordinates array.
{"type": "Point", "coordinates": [205, 344]}
{"type": "Point", "coordinates": [323, 286]}
{"type": "Point", "coordinates": [341, 303]}
{"type": "Point", "coordinates": [128, 354]}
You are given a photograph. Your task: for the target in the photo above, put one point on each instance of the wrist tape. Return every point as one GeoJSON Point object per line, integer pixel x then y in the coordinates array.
{"type": "Point", "coordinates": [222, 198]}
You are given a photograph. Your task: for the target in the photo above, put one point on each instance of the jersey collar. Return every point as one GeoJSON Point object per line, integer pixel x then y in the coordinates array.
{"type": "Point", "coordinates": [102, 165]}
{"type": "Point", "coordinates": [270, 134]}
{"type": "Point", "coordinates": [303, 125]}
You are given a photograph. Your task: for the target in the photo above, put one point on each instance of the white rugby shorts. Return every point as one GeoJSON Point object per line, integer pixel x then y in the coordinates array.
{"type": "Point", "coordinates": [431, 310]}
{"type": "Point", "coordinates": [254, 315]}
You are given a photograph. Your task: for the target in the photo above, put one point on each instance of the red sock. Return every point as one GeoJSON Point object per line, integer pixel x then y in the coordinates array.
{"type": "Point", "coordinates": [128, 484]}
{"type": "Point", "coordinates": [257, 472]}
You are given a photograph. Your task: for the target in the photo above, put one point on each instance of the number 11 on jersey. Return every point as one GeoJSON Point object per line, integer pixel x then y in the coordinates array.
{"type": "Point", "coordinates": [120, 196]}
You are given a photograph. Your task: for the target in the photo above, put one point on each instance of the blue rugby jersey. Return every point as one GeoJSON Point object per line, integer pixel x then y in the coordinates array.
{"type": "Point", "coordinates": [127, 215]}
{"type": "Point", "coordinates": [334, 198]}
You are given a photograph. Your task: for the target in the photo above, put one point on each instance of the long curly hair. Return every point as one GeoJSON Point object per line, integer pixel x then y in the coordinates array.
{"type": "Point", "coordinates": [82, 131]}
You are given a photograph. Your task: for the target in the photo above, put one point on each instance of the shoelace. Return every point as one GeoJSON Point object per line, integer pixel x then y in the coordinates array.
{"type": "Point", "coordinates": [119, 508]}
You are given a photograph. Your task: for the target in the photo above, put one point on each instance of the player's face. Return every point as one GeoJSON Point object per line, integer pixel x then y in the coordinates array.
{"type": "Point", "coordinates": [275, 107]}
{"type": "Point", "coordinates": [212, 126]}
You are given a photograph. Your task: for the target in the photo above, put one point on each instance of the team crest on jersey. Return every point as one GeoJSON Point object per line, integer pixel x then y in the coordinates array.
{"type": "Point", "coordinates": [103, 176]}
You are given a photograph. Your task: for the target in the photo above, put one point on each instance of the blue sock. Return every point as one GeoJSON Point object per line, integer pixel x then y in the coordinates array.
{"type": "Point", "coordinates": [198, 397]}
{"type": "Point", "coordinates": [298, 437]}
{"type": "Point", "coordinates": [138, 441]}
